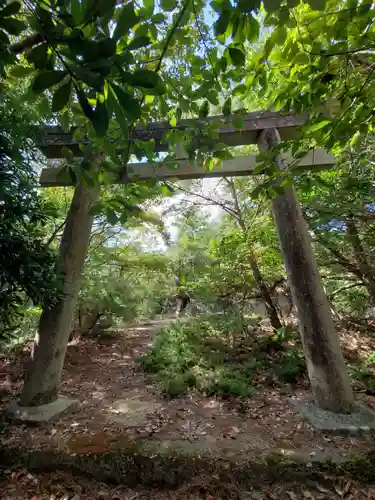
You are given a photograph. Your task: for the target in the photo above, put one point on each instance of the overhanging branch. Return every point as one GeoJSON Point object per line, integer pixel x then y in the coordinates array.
{"type": "Point", "coordinates": [26, 44]}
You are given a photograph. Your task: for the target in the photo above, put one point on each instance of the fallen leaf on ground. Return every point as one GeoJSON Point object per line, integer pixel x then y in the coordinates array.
{"type": "Point", "coordinates": [292, 495]}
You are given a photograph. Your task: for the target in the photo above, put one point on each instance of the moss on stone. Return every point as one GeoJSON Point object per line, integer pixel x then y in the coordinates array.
{"type": "Point", "coordinates": [151, 465]}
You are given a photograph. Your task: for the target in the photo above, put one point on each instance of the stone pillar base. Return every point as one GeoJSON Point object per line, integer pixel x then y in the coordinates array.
{"type": "Point", "coordinates": [41, 413]}
{"type": "Point", "coordinates": [360, 421]}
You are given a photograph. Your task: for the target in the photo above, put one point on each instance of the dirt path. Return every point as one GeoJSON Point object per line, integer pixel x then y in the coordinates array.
{"type": "Point", "coordinates": [118, 403]}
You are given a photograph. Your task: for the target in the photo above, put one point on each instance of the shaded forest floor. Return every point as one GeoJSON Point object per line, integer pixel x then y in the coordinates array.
{"type": "Point", "coordinates": [118, 405]}
{"type": "Point", "coordinates": [20, 484]}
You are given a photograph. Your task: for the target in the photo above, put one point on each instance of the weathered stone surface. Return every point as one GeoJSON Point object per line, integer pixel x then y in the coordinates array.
{"type": "Point", "coordinates": [53, 139]}
{"type": "Point", "coordinates": [41, 413]}
{"type": "Point", "coordinates": [187, 169]}
{"type": "Point", "coordinates": [360, 421]}
{"type": "Point", "coordinates": [132, 412]}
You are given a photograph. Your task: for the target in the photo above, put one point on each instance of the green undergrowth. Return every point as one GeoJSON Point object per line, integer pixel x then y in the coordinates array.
{"type": "Point", "coordinates": [221, 356]}
{"type": "Point", "coordinates": [13, 338]}
{"type": "Point", "coordinates": [363, 371]}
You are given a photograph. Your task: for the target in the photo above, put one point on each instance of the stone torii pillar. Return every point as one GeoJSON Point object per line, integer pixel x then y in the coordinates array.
{"type": "Point", "coordinates": [325, 362]}
{"type": "Point", "coordinates": [39, 400]}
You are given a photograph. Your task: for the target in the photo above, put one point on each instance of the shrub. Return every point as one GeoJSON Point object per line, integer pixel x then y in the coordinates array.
{"type": "Point", "coordinates": [233, 384]}
{"type": "Point", "coordinates": [22, 333]}
{"type": "Point", "coordinates": [292, 366]}
{"type": "Point", "coordinates": [199, 354]}
{"type": "Point", "coordinates": [363, 372]}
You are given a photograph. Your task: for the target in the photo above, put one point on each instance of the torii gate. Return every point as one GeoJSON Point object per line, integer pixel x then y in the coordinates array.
{"type": "Point", "coordinates": [54, 139]}
{"type": "Point", "coordinates": [329, 380]}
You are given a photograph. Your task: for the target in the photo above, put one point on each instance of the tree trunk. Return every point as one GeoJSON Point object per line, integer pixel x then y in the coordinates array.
{"type": "Point", "coordinates": [361, 258]}
{"type": "Point", "coordinates": [325, 363]}
{"type": "Point", "coordinates": [47, 359]}
{"type": "Point", "coordinates": [269, 304]}
{"type": "Point", "coordinates": [267, 299]}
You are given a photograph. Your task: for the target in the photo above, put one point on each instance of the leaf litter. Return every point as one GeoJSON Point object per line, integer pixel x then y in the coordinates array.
{"type": "Point", "coordinates": [99, 375]}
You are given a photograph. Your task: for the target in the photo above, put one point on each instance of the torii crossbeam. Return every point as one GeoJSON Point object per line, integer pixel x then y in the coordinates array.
{"type": "Point", "coordinates": [54, 139]}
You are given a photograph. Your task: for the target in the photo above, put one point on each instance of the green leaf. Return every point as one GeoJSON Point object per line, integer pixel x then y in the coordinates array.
{"type": "Point", "coordinates": [130, 106]}
{"type": "Point", "coordinates": [85, 105]}
{"type": "Point", "coordinates": [240, 90]}
{"type": "Point", "coordinates": [12, 26]}
{"type": "Point", "coordinates": [259, 169]}
{"type": "Point", "coordinates": [252, 28]}
{"type": "Point", "coordinates": [302, 58]}
{"type": "Point", "coordinates": [158, 18]}
{"type": "Point", "coordinates": [43, 106]}
{"type": "Point", "coordinates": [126, 20]}
{"type": "Point", "coordinates": [292, 3]}
{"type": "Point", "coordinates": [212, 97]}
{"type": "Point", "coordinates": [227, 108]}
{"type": "Point", "coordinates": [47, 79]}
{"type": "Point", "coordinates": [111, 216]}
{"type": "Point", "coordinates": [203, 89]}
{"type": "Point", "coordinates": [221, 25]}
{"type": "Point", "coordinates": [166, 190]}
{"type": "Point", "coordinates": [72, 175]}
{"type": "Point", "coordinates": [98, 8]}
{"type": "Point", "coordinates": [317, 4]}
{"type": "Point", "coordinates": [61, 97]}
{"type": "Point", "coordinates": [4, 39]}
{"type": "Point", "coordinates": [140, 41]}
{"type": "Point", "coordinates": [246, 6]}
{"type": "Point", "coordinates": [38, 56]}
{"type": "Point", "coordinates": [11, 9]}
{"type": "Point", "coordinates": [238, 122]}
{"type": "Point", "coordinates": [220, 5]}
{"type": "Point", "coordinates": [279, 35]}
{"type": "Point", "coordinates": [90, 77]}
{"type": "Point", "coordinates": [318, 126]}
{"type": "Point", "coordinates": [119, 112]}
{"type": "Point", "coordinates": [355, 140]}
{"type": "Point", "coordinates": [125, 57]}
{"type": "Point", "coordinates": [97, 208]}
{"type": "Point", "coordinates": [148, 8]}
{"type": "Point", "coordinates": [268, 46]}
{"type": "Point", "coordinates": [204, 110]}
{"type": "Point", "coordinates": [99, 49]}
{"type": "Point", "coordinates": [21, 71]}
{"type": "Point", "coordinates": [144, 78]}
{"type": "Point", "coordinates": [76, 11]}
{"type": "Point", "coordinates": [64, 121]}
{"type": "Point", "coordinates": [100, 120]}
{"type": "Point", "coordinates": [271, 5]}
{"type": "Point", "coordinates": [67, 153]}
{"type": "Point", "coordinates": [172, 118]}
{"type": "Point", "coordinates": [237, 56]}
{"type": "Point", "coordinates": [168, 5]}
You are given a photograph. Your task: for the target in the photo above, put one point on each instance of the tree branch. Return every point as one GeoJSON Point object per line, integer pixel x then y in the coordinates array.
{"type": "Point", "coordinates": [53, 236]}
{"type": "Point", "coordinates": [25, 44]}
{"type": "Point", "coordinates": [227, 209]}
{"type": "Point", "coordinates": [343, 288]}
{"type": "Point", "coordinates": [341, 259]}
{"type": "Point", "coordinates": [124, 174]}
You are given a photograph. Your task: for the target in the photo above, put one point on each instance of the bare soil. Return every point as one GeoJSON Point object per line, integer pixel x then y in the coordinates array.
{"type": "Point", "coordinates": [104, 377]}
{"type": "Point", "coordinates": [118, 404]}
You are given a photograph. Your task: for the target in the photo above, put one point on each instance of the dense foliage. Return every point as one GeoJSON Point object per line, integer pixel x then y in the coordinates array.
{"type": "Point", "coordinates": [26, 260]}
